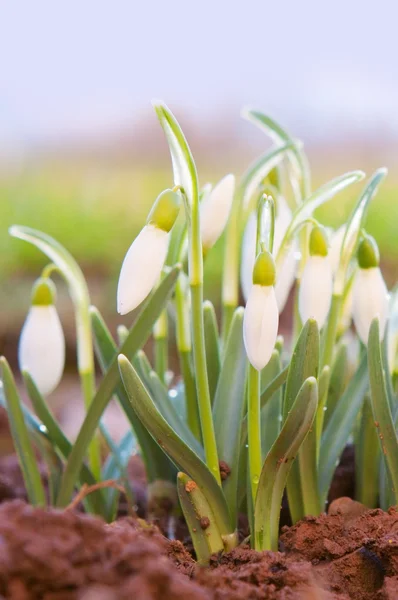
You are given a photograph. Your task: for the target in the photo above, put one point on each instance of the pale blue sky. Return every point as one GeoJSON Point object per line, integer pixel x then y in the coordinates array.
{"type": "Point", "coordinates": [83, 67]}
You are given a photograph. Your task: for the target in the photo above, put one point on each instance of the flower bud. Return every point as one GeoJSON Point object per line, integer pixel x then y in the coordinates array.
{"type": "Point", "coordinates": [261, 318]}
{"type": "Point", "coordinates": [215, 209]}
{"type": "Point", "coordinates": [145, 258]}
{"type": "Point", "coordinates": [316, 286]}
{"type": "Point", "coordinates": [370, 294]}
{"type": "Point", "coordinates": [41, 349]}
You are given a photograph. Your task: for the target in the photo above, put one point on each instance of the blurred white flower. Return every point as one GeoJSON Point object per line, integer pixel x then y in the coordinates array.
{"type": "Point", "coordinates": [315, 293]}
{"type": "Point", "coordinates": [369, 300]}
{"type": "Point", "coordinates": [215, 209]}
{"type": "Point", "coordinates": [41, 349]}
{"type": "Point", "coordinates": [336, 242]}
{"type": "Point", "coordinates": [286, 275]}
{"type": "Point", "coordinates": [141, 267]}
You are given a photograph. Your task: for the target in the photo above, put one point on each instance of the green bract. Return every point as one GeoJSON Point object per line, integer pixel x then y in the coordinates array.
{"type": "Point", "coordinates": [230, 437]}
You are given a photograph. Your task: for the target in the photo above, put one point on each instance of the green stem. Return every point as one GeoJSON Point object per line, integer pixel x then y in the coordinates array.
{"type": "Point", "coordinates": [367, 459]}
{"type": "Point", "coordinates": [254, 429]}
{"type": "Point", "coordinates": [330, 332]}
{"type": "Point", "coordinates": [160, 334]}
{"type": "Point", "coordinates": [202, 384]}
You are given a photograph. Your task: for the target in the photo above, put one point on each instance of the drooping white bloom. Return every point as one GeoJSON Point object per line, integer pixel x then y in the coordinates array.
{"type": "Point", "coordinates": [315, 292]}
{"type": "Point", "coordinates": [41, 349]}
{"type": "Point", "coordinates": [261, 317]}
{"type": "Point", "coordinates": [145, 258]}
{"type": "Point", "coordinates": [141, 267]}
{"type": "Point", "coordinates": [370, 300]}
{"type": "Point", "coordinates": [336, 242]}
{"type": "Point", "coordinates": [260, 325]}
{"type": "Point", "coordinates": [286, 275]}
{"type": "Point", "coordinates": [215, 209]}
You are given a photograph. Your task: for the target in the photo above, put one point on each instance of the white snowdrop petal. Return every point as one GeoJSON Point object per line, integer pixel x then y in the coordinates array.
{"type": "Point", "coordinates": [41, 349]}
{"type": "Point", "coordinates": [260, 325]}
{"type": "Point", "coordinates": [285, 278]}
{"type": "Point", "coordinates": [336, 243]}
{"type": "Point", "coordinates": [370, 300]}
{"type": "Point", "coordinates": [315, 293]}
{"type": "Point", "coordinates": [141, 268]}
{"type": "Point", "coordinates": [214, 210]}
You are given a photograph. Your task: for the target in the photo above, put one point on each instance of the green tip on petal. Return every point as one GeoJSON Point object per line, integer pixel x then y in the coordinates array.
{"type": "Point", "coordinates": [318, 241]}
{"type": "Point", "coordinates": [368, 253]}
{"type": "Point", "coordinates": [43, 292]}
{"type": "Point", "coordinates": [264, 269]}
{"type": "Point", "coordinates": [165, 210]}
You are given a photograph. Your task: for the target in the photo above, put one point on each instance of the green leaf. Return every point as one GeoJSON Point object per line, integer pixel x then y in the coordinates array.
{"type": "Point", "coordinates": [205, 535]}
{"type": "Point", "coordinates": [338, 430]}
{"type": "Point", "coordinates": [304, 364]}
{"type": "Point", "coordinates": [167, 409]}
{"type": "Point", "coordinates": [367, 459]}
{"type": "Point", "coordinates": [184, 168]}
{"type": "Point", "coordinates": [55, 433]}
{"type": "Point", "coordinates": [296, 156]}
{"type": "Point", "coordinates": [20, 436]}
{"type": "Point", "coordinates": [353, 229]}
{"type": "Point", "coordinates": [381, 405]}
{"type": "Point", "coordinates": [115, 468]}
{"type": "Point", "coordinates": [174, 446]}
{"type": "Point", "coordinates": [278, 464]}
{"type": "Point", "coordinates": [306, 209]}
{"type": "Point", "coordinates": [229, 407]}
{"type": "Point", "coordinates": [338, 381]}
{"type": "Point", "coordinates": [274, 385]}
{"type": "Point", "coordinates": [257, 172]}
{"type": "Point", "coordinates": [213, 359]}
{"type": "Point", "coordinates": [157, 464]}
{"type": "Point", "coordinates": [271, 413]}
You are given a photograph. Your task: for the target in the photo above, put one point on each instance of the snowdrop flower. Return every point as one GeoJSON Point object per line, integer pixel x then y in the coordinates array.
{"type": "Point", "coordinates": [145, 258]}
{"type": "Point", "coordinates": [261, 318]}
{"type": "Point", "coordinates": [214, 211]}
{"type": "Point", "coordinates": [41, 349]}
{"type": "Point", "coordinates": [336, 242]}
{"type": "Point", "coordinates": [315, 293]}
{"type": "Point", "coordinates": [287, 273]}
{"type": "Point", "coordinates": [370, 294]}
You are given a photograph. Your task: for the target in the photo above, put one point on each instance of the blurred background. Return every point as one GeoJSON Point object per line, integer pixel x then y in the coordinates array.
{"type": "Point", "coordinates": [82, 156]}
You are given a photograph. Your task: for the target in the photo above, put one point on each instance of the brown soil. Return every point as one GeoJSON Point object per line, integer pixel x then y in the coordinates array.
{"type": "Point", "coordinates": [54, 555]}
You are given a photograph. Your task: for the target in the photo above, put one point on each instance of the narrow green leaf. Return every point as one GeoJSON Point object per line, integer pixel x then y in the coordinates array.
{"type": "Point", "coordinates": [271, 413]}
{"type": "Point", "coordinates": [205, 535]}
{"type": "Point", "coordinates": [304, 363]}
{"type": "Point", "coordinates": [338, 381]}
{"type": "Point", "coordinates": [306, 209]}
{"type": "Point", "coordinates": [167, 409]}
{"type": "Point", "coordinates": [296, 155]}
{"type": "Point", "coordinates": [213, 359]}
{"type": "Point", "coordinates": [257, 172]}
{"type": "Point", "coordinates": [336, 434]}
{"type": "Point", "coordinates": [156, 462]}
{"type": "Point", "coordinates": [20, 436]}
{"type": "Point", "coordinates": [274, 385]}
{"type": "Point", "coordinates": [381, 405]}
{"type": "Point", "coordinates": [278, 464]}
{"type": "Point", "coordinates": [184, 168]}
{"type": "Point", "coordinates": [354, 227]}
{"type": "Point", "coordinates": [229, 407]}
{"type": "Point", "coordinates": [115, 468]}
{"type": "Point", "coordinates": [177, 450]}
{"type": "Point", "coordinates": [367, 459]}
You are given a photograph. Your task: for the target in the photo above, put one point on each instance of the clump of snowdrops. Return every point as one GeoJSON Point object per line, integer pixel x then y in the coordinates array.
{"type": "Point", "coordinates": [249, 413]}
